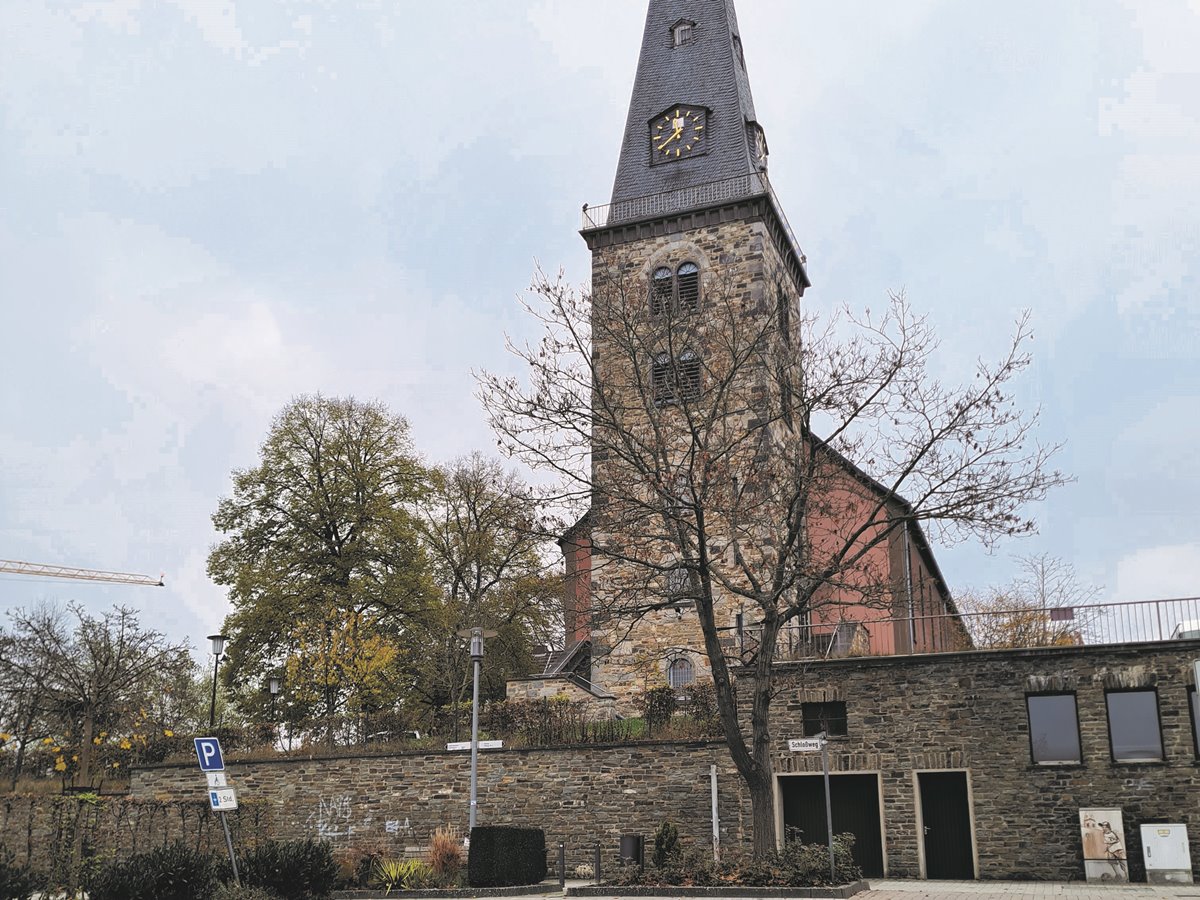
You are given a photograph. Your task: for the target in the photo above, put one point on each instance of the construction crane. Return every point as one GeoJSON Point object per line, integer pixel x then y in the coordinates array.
{"type": "Point", "coordinates": [16, 567]}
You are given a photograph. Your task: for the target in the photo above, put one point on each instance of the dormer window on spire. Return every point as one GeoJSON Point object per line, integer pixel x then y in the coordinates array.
{"type": "Point", "coordinates": [682, 32]}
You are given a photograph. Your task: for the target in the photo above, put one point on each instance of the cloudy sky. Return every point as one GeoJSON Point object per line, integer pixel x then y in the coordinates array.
{"type": "Point", "coordinates": [207, 208]}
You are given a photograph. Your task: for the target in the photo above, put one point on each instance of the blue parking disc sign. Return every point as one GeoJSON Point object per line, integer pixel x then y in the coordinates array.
{"type": "Point", "coordinates": [208, 752]}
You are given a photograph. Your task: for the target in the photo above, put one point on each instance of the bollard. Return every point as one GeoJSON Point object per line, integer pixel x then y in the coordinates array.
{"type": "Point", "coordinates": [596, 864]}
{"type": "Point", "coordinates": [562, 866]}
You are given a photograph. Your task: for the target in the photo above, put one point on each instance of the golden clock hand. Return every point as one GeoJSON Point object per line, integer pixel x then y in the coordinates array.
{"type": "Point", "coordinates": [678, 133]}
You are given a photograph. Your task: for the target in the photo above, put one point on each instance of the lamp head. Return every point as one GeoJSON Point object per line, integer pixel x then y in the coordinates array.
{"type": "Point", "coordinates": [218, 644]}
{"type": "Point", "coordinates": [273, 685]}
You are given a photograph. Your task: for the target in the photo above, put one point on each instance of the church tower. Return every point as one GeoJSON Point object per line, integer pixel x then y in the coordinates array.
{"type": "Point", "coordinates": [693, 263]}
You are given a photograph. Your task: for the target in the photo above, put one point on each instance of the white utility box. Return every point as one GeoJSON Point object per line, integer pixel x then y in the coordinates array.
{"type": "Point", "coordinates": [1167, 855]}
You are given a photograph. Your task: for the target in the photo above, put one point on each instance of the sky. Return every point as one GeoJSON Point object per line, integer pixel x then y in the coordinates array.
{"type": "Point", "coordinates": [209, 208]}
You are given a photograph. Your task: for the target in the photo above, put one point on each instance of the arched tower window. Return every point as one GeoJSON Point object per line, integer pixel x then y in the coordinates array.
{"type": "Point", "coordinates": [687, 277]}
{"type": "Point", "coordinates": [688, 373]}
{"type": "Point", "coordinates": [662, 384]}
{"type": "Point", "coordinates": [677, 290]}
{"type": "Point", "coordinates": [680, 673]}
{"type": "Point", "coordinates": [661, 289]}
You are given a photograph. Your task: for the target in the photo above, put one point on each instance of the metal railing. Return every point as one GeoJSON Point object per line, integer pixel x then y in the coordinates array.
{"type": "Point", "coordinates": [753, 184]}
{"type": "Point", "coordinates": [1027, 627]}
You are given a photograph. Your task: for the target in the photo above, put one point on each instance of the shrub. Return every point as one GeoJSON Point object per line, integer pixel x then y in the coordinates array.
{"type": "Point", "coordinates": [797, 865]}
{"type": "Point", "coordinates": [16, 882]}
{"type": "Point", "coordinates": [245, 892]}
{"type": "Point", "coordinates": [295, 870]}
{"type": "Point", "coordinates": [403, 874]}
{"type": "Point", "coordinates": [505, 855]}
{"type": "Point", "coordinates": [445, 855]}
{"type": "Point", "coordinates": [666, 844]}
{"type": "Point", "coordinates": [173, 872]}
{"type": "Point", "coordinates": [658, 705]}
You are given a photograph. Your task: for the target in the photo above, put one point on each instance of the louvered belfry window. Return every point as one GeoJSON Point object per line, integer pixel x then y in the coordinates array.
{"type": "Point", "coordinates": [675, 291]}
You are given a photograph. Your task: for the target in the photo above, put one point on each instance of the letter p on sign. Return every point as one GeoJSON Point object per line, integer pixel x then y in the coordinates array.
{"type": "Point", "coordinates": [208, 751]}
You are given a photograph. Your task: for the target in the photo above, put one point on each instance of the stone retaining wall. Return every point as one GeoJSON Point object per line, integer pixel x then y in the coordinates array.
{"type": "Point", "coordinates": [392, 804]}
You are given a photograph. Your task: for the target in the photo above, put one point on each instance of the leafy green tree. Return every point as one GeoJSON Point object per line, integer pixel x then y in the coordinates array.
{"type": "Point", "coordinates": [484, 536]}
{"type": "Point", "coordinates": [322, 552]}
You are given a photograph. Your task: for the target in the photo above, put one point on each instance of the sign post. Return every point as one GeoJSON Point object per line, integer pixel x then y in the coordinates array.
{"type": "Point", "coordinates": [220, 795]}
{"type": "Point", "coordinates": [811, 745]}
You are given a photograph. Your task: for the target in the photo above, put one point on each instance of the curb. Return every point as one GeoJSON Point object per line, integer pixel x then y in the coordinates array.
{"type": "Point", "coordinates": [732, 890]}
{"type": "Point", "coordinates": [449, 893]}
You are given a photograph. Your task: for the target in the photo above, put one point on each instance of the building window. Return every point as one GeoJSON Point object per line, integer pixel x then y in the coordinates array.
{"type": "Point", "coordinates": [687, 277]}
{"type": "Point", "coordinates": [689, 376]}
{"type": "Point", "coordinates": [1133, 729]}
{"type": "Point", "coordinates": [679, 583]}
{"type": "Point", "coordinates": [661, 288]}
{"type": "Point", "coordinates": [680, 673]}
{"type": "Point", "coordinates": [662, 385]}
{"type": "Point", "coordinates": [1053, 729]}
{"type": "Point", "coordinates": [679, 379]}
{"type": "Point", "coordinates": [1194, 705]}
{"type": "Point", "coordinates": [675, 291]}
{"type": "Point", "coordinates": [829, 717]}
{"type": "Point", "coordinates": [682, 32]}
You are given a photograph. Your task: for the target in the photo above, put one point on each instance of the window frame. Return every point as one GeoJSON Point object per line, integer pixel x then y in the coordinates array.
{"type": "Point", "coordinates": [683, 33]}
{"type": "Point", "coordinates": [662, 302]}
{"type": "Point", "coordinates": [1112, 750]}
{"type": "Point", "coordinates": [1033, 695]}
{"type": "Point", "coordinates": [681, 662]}
{"type": "Point", "coordinates": [1195, 720]}
{"type": "Point", "coordinates": [689, 381]}
{"type": "Point", "coordinates": [824, 719]}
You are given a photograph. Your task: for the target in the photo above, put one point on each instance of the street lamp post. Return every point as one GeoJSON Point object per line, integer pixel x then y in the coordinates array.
{"type": "Point", "coordinates": [218, 648]}
{"type": "Point", "coordinates": [476, 635]}
{"type": "Point", "coordinates": [273, 687]}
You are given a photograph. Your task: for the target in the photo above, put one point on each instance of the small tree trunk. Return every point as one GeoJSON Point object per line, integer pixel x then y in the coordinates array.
{"type": "Point", "coordinates": [762, 816]}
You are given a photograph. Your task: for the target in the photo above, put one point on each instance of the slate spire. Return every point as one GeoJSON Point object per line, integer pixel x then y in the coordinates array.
{"type": "Point", "coordinates": [691, 57]}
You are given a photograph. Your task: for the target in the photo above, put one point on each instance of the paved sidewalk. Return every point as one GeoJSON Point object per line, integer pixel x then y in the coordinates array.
{"type": "Point", "coordinates": [900, 889]}
{"type": "Point", "coordinates": [904, 889]}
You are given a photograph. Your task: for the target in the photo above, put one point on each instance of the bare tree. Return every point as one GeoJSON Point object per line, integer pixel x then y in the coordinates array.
{"type": "Point", "coordinates": [694, 441]}
{"type": "Point", "coordinates": [88, 676]}
{"type": "Point", "coordinates": [1045, 605]}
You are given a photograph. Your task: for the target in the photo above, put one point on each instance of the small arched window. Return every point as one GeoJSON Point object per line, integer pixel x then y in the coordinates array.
{"type": "Point", "coordinates": [662, 384]}
{"type": "Point", "coordinates": [661, 289]}
{"type": "Point", "coordinates": [680, 673]}
{"type": "Point", "coordinates": [687, 277]}
{"type": "Point", "coordinates": [678, 582]}
{"type": "Point", "coordinates": [688, 374]}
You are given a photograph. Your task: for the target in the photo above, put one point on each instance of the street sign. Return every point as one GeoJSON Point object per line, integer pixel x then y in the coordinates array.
{"type": "Point", "coordinates": [224, 799]}
{"type": "Point", "coordinates": [216, 780]}
{"type": "Point", "coordinates": [208, 751]}
{"type": "Point", "coordinates": [805, 745]}
{"type": "Point", "coordinates": [483, 745]}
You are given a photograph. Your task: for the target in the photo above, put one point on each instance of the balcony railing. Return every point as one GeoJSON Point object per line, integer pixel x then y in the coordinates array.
{"type": "Point", "coordinates": [1028, 627]}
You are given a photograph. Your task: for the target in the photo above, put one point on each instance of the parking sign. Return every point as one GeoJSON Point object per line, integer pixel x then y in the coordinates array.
{"type": "Point", "coordinates": [208, 752]}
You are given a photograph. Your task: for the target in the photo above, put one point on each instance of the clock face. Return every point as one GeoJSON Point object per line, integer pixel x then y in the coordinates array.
{"type": "Point", "coordinates": [677, 133]}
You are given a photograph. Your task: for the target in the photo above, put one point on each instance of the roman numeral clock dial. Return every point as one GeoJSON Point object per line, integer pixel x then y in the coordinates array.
{"type": "Point", "coordinates": [677, 133]}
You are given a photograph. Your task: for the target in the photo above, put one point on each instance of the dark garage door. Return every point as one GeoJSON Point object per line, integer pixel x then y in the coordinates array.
{"type": "Point", "coordinates": [855, 809]}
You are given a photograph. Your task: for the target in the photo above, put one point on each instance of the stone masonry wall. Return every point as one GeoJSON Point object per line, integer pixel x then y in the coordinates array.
{"type": "Point", "coordinates": [391, 804]}
{"type": "Point", "coordinates": [967, 711]}
{"type": "Point", "coordinates": [740, 268]}
{"type": "Point", "coordinates": [958, 711]}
